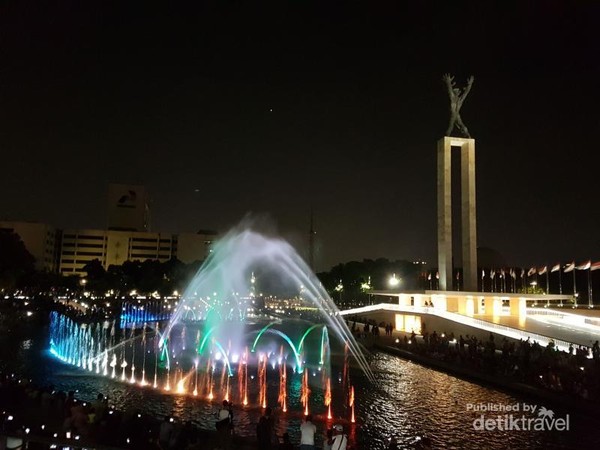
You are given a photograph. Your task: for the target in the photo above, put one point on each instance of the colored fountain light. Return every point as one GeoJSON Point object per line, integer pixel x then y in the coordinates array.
{"type": "Point", "coordinates": [222, 342]}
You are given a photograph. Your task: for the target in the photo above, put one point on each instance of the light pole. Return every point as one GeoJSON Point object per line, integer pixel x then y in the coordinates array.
{"type": "Point", "coordinates": [366, 287]}
{"type": "Point", "coordinates": [533, 285]}
{"type": "Point", "coordinates": [339, 288]}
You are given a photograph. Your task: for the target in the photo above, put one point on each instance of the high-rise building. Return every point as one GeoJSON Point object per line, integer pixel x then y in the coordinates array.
{"type": "Point", "coordinates": [128, 208]}
{"type": "Point", "coordinates": [126, 238]}
{"type": "Point", "coordinates": [112, 247]}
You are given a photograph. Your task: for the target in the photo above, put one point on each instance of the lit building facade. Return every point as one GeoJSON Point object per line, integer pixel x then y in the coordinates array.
{"type": "Point", "coordinates": [112, 247]}
{"type": "Point", "coordinates": [126, 238]}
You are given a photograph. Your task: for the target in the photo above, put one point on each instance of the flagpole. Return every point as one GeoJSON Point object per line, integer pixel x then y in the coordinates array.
{"type": "Point", "coordinates": [590, 302]}
{"type": "Point", "coordinates": [575, 286]}
{"type": "Point", "coordinates": [560, 281]}
{"type": "Point", "coordinates": [482, 275]}
{"type": "Point", "coordinates": [547, 281]}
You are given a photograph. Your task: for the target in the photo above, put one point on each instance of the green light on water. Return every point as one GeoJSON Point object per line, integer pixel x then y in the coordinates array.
{"type": "Point", "coordinates": [324, 343]}
{"type": "Point", "coordinates": [220, 347]}
{"type": "Point", "coordinates": [204, 339]}
{"type": "Point", "coordinates": [260, 333]}
{"type": "Point", "coordinates": [301, 344]}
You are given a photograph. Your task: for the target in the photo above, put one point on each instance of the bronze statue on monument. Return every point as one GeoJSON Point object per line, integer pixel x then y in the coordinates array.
{"type": "Point", "coordinates": [457, 98]}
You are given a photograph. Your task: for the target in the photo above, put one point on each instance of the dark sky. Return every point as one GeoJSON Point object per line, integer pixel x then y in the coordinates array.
{"type": "Point", "coordinates": [276, 107]}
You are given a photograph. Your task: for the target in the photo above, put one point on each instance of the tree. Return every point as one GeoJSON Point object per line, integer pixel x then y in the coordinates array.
{"type": "Point", "coordinates": [354, 275]}
{"type": "Point", "coordinates": [15, 259]}
{"type": "Point", "coordinates": [96, 276]}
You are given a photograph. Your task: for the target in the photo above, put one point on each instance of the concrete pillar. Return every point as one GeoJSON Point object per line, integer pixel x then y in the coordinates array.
{"type": "Point", "coordinates": [518, 307]}
{"type": "Point", "coordinates": [493, 306]}
{"type": "Point", "coordinates": [440, 302]}
{"type": "Point", "coordinates": [466, 306]}
{"type": "Point", "coordinates": [420, 300]}
{"type": "Point", "coordinates": [444, 213]}
{"type": "Point", "coordinates": [404, 300]}
{"type": "Point", "coordinates": [468, 215]}
{"type": "Point", "coordinates": [468, 212]}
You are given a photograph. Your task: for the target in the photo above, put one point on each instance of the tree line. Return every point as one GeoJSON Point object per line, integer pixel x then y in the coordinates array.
{"type": "Point", "coordinates": [18, 272]}
{"type": "Point", "coordinates": [349, 282]}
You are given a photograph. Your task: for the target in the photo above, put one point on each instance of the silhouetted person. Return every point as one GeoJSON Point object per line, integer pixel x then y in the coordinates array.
{"type": "Point", "coordinates": [339, 440]}
{"type": "Point", "coordinates": [287, 443]}
{"type": "Point", "coordinates": [225, 425]}
{"type": "Point", "coordinates": [166, 432]}
{"type": "Point", "coordinates": [265, 430]}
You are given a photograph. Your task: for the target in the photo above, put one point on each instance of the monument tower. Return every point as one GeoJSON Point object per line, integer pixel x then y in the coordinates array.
{"type": "Point", "coordinates": [466, 144]}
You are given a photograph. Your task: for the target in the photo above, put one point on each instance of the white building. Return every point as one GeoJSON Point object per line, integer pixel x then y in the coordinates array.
{"type": "Point", "coordinates": [128, 208]}
{"type": "Point", "coordinates": [111, 247]}
{"type": "Point", "coordinates": [126, 238]}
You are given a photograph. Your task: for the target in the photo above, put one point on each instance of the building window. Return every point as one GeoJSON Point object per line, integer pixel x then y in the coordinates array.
{"type": "Point", "coordinates": [93, 238]}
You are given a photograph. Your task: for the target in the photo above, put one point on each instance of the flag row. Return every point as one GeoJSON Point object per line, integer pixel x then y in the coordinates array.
{"type": "Point", "coordinates": [514, 273]}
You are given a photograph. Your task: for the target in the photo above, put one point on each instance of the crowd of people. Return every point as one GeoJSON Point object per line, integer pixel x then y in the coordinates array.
{"type": "Point", "coordinates": [575, 372]}
{"type": "Point", "coordinates": [524, 361]}
{"type": "Point", "coordinates": [30, 411]}
{"type": "Point", "coordinates": [334, 438]}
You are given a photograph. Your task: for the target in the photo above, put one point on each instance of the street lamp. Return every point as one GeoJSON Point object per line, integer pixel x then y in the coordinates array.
{"type": "Point", "coordinates": [366, 287]}
{"type": "Point", "coordinates": [393, 281]}
{"type": "Point", "coordinates": [339, 288]}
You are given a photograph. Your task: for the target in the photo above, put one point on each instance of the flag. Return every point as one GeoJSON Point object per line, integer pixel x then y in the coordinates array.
{"type": "Point", "coordinates": [569, 267]}
{"type": "Point", "coordinates": [595, 266]}
{"type": "Point", "coordinates": [584, 266]}
{"type": "Point", "coordinates": [531, 271]}
{"type": "Point", "coordinates": [492, 274]}
{"type": "Point", "coordinates": [482, 274]}
{"type": "Point", "coordinates": [458, 275]}
{"type": "Point", "coordinates": [437, 275]}
{"type": "Point", "coordinates": [542, 270]}
{"type": "Point", "coordinates": [429, 277]}
{"type": "Point", "coordinates": [513, 273]}
{"type": "Point", "coordinates": [555, 268]}
{"type": "Point", "coordinates": [522, 273]}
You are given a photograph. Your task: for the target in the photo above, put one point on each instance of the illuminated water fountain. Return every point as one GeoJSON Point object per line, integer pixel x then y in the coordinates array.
{"type": "Point", "coordinates": [228, 348]}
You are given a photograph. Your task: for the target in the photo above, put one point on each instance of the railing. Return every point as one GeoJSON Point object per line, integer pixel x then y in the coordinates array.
{"type": "Point", "coordinates": [503, 330]}
{"type": "Point", "coordinates": [595, 321]}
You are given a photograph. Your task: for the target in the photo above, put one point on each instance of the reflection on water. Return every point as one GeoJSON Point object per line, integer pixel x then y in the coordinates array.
{"type": "Point", "coordinates": [407, 401]}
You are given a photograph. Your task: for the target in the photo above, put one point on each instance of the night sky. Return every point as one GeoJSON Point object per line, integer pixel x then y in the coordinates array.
{"type": "Point", "coordinates": [279, 107]}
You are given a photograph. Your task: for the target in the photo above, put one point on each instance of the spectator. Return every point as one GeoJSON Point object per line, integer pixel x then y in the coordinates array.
{"type": "Point", "coordinates": [307, 434]}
